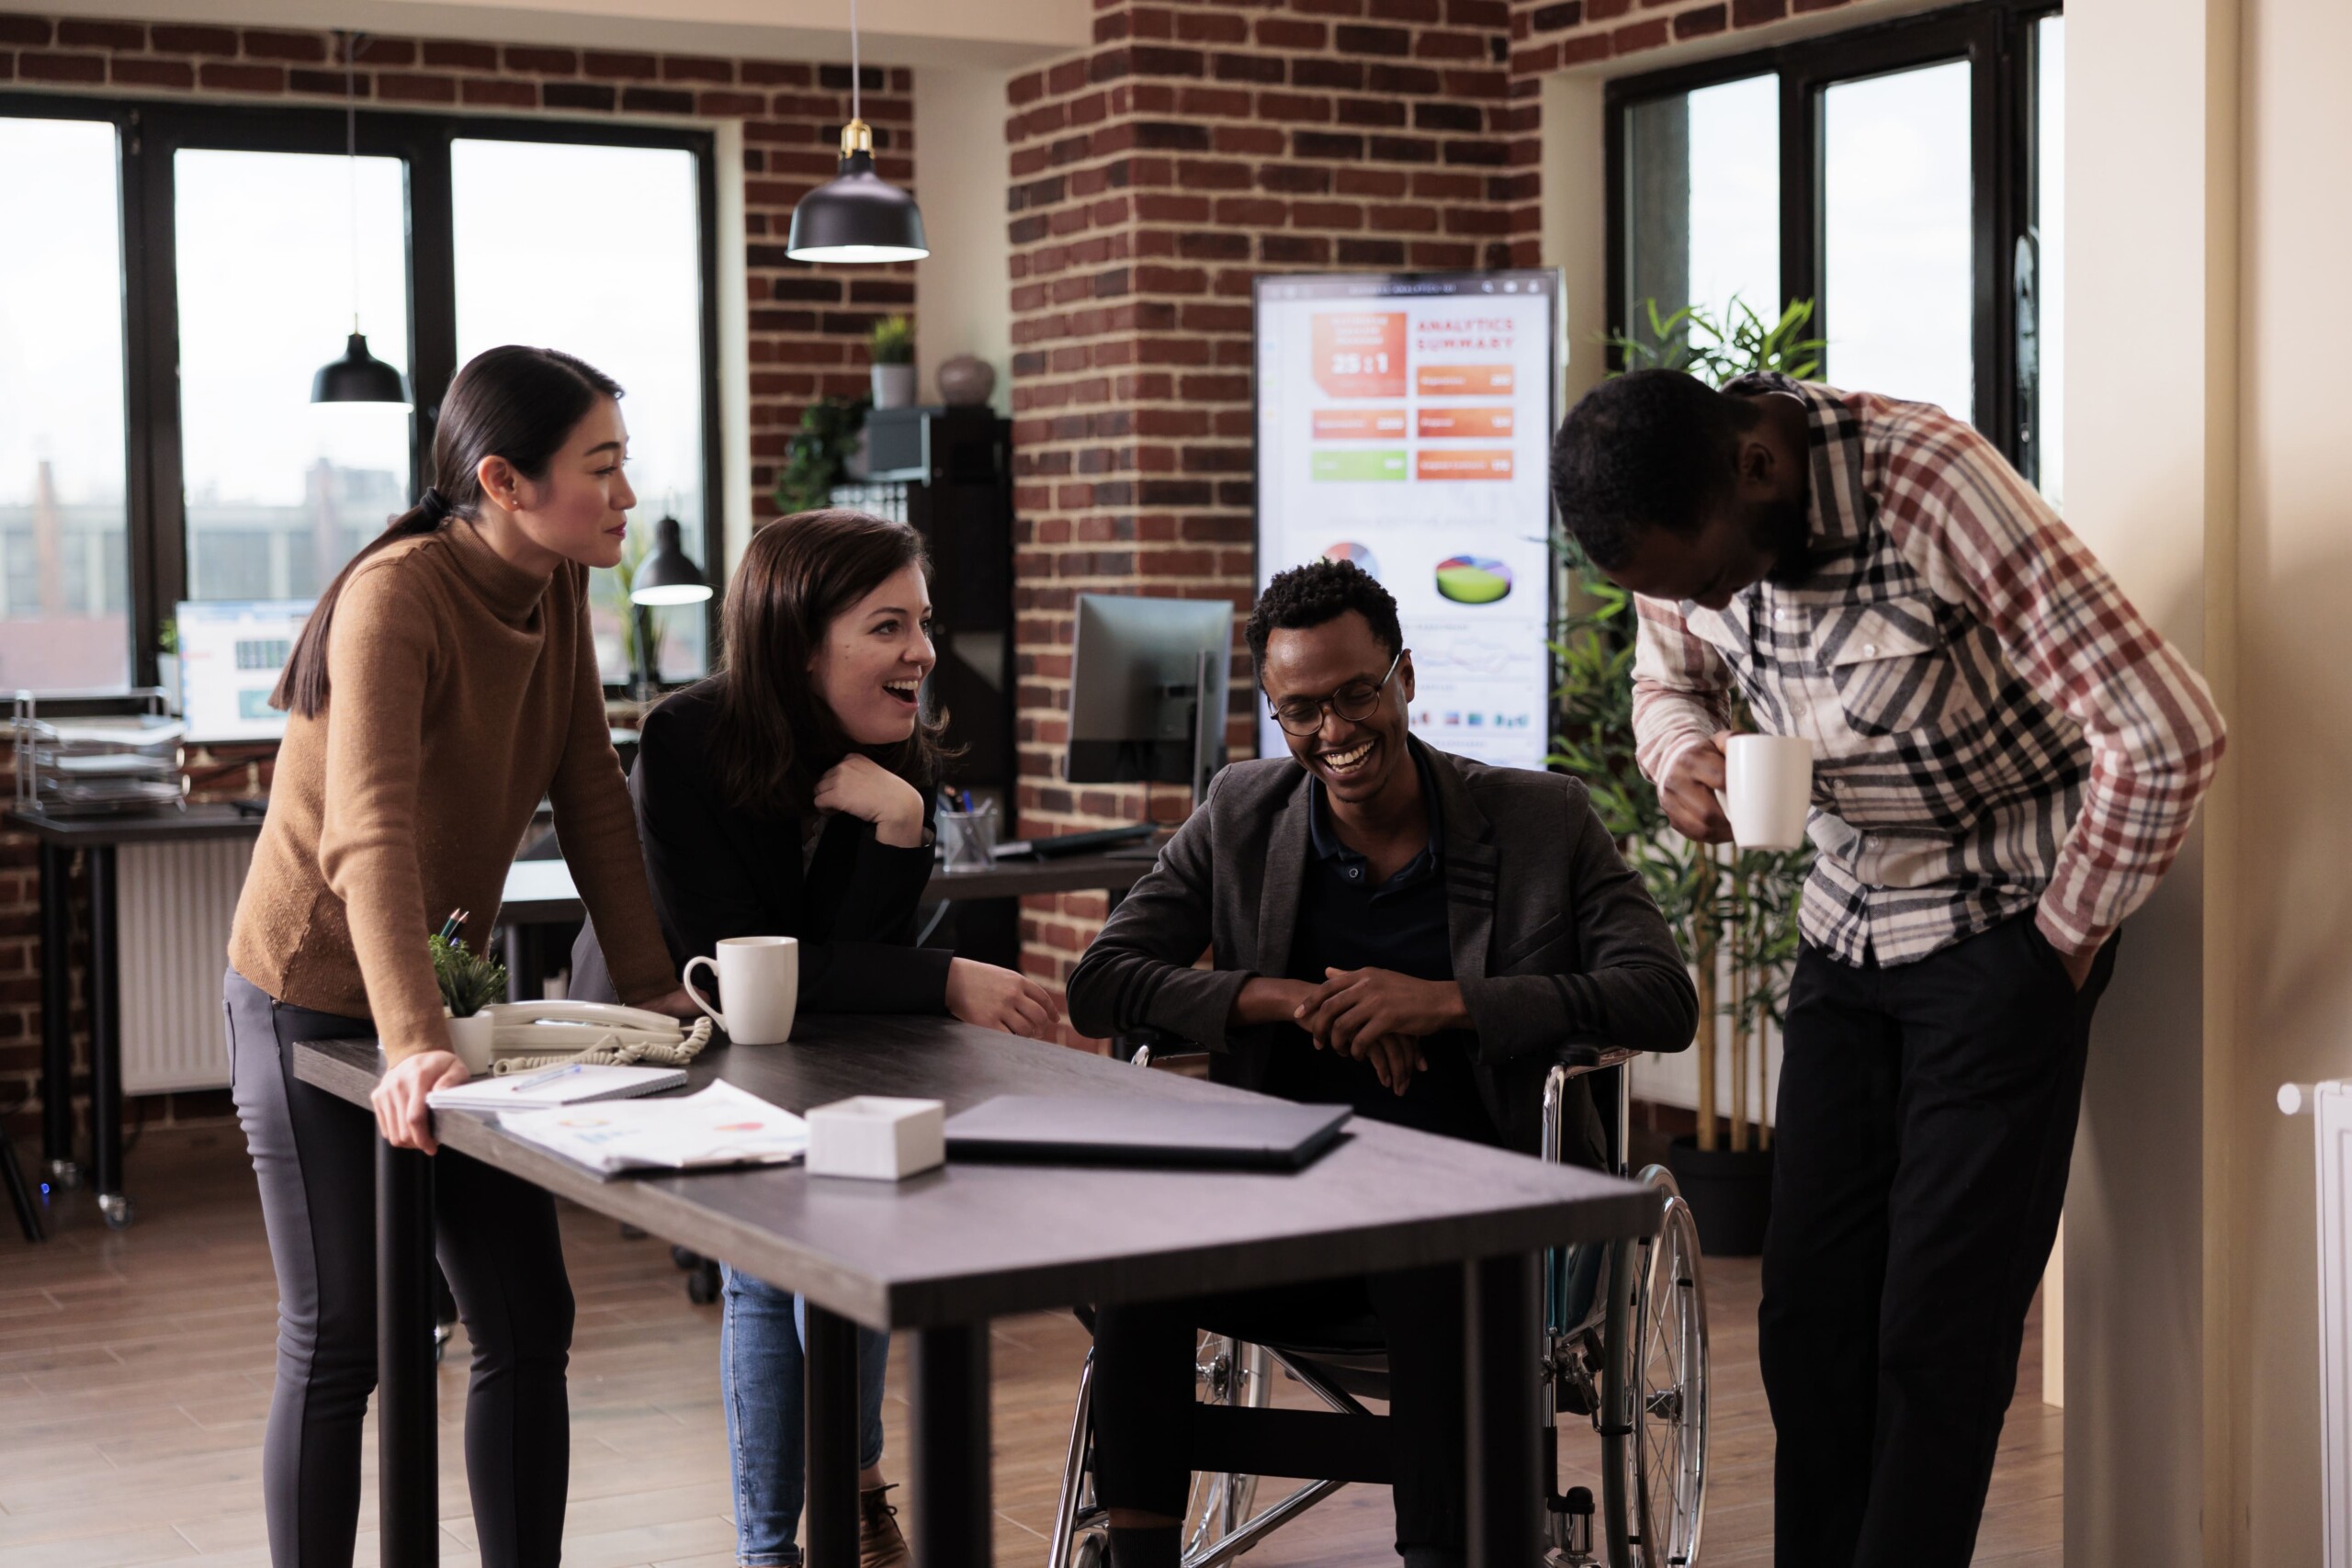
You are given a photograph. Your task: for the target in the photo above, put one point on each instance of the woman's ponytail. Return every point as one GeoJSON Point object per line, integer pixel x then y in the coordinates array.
{"type": "Point", "coordinates": [521, 404]}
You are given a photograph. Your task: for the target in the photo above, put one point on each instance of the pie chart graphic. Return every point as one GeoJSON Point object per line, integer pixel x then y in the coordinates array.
{"type": "Point", "coordinates": [1347, 550]}
{"type": "Point", "coordinates": [1472, 580]}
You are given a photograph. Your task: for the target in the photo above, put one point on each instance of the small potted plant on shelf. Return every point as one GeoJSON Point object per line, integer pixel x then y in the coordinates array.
{"type": "Point", "coordinates": [469, 982]}
{"type": "Point", "coordinates": [893, 349]}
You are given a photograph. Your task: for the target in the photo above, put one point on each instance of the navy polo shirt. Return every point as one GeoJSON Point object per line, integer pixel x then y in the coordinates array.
{"type": "Point", "coordinates": [1347, 922]}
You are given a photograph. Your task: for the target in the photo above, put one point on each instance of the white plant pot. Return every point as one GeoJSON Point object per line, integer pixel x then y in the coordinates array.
{"type": "Point", "coordinates": [894, 386]}
{"type": "Point", "coordinates": [471, 1039]}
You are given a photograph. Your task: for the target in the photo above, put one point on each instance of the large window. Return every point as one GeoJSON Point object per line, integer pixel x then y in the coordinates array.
{"type": "Point", "coordinates": [279, 492]}
{"type": "Point", "coordinates": [64, 572]}
{"type": "Point", "coordinates": [1904, 178]}
{"type": "Point", "coordinates": [193, 266]}
{"type": "Point", "coordinates": [634, 311]}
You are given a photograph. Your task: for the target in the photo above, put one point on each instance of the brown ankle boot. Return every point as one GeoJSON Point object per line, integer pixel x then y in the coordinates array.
{"type": "Point", "coordinates": [879, 1544]}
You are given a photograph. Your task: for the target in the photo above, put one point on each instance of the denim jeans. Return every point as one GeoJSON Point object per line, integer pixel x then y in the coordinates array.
{"type": "Point", "coordinates": [760, 1375]}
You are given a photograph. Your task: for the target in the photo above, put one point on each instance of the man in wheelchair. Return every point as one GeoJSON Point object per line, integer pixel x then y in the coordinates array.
{"type": "Point", "coordinates": [1390, 928]}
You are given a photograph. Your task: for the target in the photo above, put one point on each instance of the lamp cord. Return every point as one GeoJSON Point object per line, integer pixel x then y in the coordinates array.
{"type": "Point", "coordinates": [857, 105]}
{"type": "Point", "coordinates": [351, 160]}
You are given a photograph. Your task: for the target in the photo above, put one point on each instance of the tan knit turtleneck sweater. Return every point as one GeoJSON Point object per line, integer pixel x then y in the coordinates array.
{"type": "Point", "coordinates": [461, 690]}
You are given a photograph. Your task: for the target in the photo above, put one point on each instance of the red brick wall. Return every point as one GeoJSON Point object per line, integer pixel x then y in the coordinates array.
{"type": "Point", "coordinates": [806, 323]}
{"type": "Point", "coordinates": [1152, 176]}
{"type": "Point", "coordinates": [1547, 35]}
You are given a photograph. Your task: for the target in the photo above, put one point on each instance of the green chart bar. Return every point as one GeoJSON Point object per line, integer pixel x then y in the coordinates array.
{"type": "Point", "coordinates": [1359, 466]}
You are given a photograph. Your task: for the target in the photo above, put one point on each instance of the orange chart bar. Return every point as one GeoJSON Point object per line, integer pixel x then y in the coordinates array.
{"type": "Point", "coordinates": [1358, 424]}
{"type": "Point", "coordinates": [1483, 424]}
{"type": "Point", "coordinates": [1463, 381]}
{"type": "Point", "coordinates": [1430, 465]}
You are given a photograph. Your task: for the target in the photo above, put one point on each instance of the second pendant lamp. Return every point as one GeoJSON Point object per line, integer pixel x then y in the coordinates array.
{"type": "Point", "coordinates": [857, 216]}
{"type": "Point", "coordinates": [358, 377]}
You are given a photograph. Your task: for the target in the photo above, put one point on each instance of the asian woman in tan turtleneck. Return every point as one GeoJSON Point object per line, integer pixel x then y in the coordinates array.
{"type": "Point", "coordinates": [445, 683]}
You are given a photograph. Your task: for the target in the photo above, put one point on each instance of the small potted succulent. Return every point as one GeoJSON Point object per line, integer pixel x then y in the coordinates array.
{"type": "Point", "coordinates": [469, 983]}
{"type": "Point", "coordinates": [892, 345]}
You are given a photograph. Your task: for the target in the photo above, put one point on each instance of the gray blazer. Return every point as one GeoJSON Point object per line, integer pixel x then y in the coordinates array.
{"type": "Point", "coordinates": [1555, 940]}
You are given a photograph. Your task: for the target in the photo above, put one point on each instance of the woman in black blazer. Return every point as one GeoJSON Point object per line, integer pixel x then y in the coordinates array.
{"type": "Point", "coordinates": [791, 796]}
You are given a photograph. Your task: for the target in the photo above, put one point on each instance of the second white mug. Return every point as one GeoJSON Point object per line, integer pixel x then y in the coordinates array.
{"type": "Point", "coordinates": [759, 976]}
{"type": "Point", "coordinates": [1767, 790]}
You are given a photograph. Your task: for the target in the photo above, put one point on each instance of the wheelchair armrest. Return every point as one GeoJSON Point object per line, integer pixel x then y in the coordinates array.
{"type": "Point", "coordinates": [1573, 1059]}
{"type": "Point", "coordinates": [1156, 1045]}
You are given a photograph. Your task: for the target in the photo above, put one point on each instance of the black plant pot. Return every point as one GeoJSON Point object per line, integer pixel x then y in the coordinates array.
{"type": "Point", "coordinates": [1730, 1194]}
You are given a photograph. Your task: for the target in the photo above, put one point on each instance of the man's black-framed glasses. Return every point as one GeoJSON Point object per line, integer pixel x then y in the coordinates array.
{"type": "Point", "coordinates": [1353, 702]}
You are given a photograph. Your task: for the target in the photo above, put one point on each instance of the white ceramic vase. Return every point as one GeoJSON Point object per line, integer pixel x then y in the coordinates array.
{"type": "Point", "coordinates": [471, 1038]}
{"type": "Point", "coordinates": [894, 386]}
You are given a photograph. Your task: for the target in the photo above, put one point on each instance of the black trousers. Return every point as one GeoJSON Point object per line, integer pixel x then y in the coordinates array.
{"type": "Point", "coordinates": [1143, 1389]}
{"type": "Point", "coordinates": [1926, 1119]}
{"type": "Point", "coordinates": [314, 1157]}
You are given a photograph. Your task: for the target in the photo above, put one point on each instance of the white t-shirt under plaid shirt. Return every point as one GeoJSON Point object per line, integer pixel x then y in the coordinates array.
{"type": "Point", "coordinates": [1994, 726]}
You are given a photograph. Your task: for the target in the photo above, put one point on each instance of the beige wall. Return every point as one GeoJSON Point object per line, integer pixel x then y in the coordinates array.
{"type": "Point", "coordinates": [955, 33]}
{"type": "Point", "coordinates": [2292, 948]}
{"type": "Point", "coordinates": [965, 291]}
{"type": "Point", "coordinates": [2150, 429]}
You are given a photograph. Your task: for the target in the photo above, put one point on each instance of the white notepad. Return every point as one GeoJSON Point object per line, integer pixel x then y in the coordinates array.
{"type": "Point", "coordinates": [721, 1125]}
{"type": "Point", "coordinates": [576, 1083]}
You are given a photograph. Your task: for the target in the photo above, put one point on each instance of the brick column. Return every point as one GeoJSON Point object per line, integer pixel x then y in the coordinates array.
{"type": "Point", "coordinates": [1152, 176]}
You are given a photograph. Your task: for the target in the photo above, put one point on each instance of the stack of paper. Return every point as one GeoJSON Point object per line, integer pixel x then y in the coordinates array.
{"type": "Point", "coordinates": [720, 1126]}
{"type": "Point", "coordinates": [574, 1083]}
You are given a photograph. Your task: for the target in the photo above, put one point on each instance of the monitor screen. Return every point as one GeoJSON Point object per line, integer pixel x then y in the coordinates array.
{"type": "Point", "coordinates": [231, 652]}
{"type": "Point", "coordinates": [1404, 423]}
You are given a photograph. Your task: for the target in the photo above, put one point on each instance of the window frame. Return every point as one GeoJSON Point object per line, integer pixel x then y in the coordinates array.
{"type": "Point", "coordinates": [149, 132]}
{"type": "Point", "coordinates": [1997, 39]}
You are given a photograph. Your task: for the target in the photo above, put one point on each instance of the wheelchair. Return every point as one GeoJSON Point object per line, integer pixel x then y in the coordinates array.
{"type": "Point", "coordinates": [1624, 1351]}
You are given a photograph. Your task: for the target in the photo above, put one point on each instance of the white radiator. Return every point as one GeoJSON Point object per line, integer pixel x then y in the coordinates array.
{"type": "Point", "coordinates": [2330, 1107]}
{"type": "Point", "coordinates": [174, 903]}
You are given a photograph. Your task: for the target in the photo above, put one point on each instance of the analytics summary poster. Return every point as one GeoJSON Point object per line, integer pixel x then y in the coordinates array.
{"type": "Point", "coordinates": [1404, 423]}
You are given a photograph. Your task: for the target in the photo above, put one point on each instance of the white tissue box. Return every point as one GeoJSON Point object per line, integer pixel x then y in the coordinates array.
{"type": "Point", "coordinates": [877, 1137]}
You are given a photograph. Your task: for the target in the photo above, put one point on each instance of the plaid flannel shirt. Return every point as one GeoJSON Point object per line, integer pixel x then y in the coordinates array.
{"type": "Point", "coordinates": [1994, 726]}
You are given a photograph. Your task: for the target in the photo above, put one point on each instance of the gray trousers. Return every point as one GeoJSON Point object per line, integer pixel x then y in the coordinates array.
{"type": "Point", "coordinates": [314, 1157]}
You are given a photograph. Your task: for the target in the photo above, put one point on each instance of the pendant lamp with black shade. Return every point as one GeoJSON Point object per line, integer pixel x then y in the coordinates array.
{"type": "Point", "coordinates": [857, 216]}
{"type": "Point", "coordinates": [358, 377]}
{"type": "Point", "coordinates": [666, 576]}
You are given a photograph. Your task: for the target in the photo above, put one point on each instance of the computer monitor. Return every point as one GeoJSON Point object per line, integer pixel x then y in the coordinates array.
{"type": "Point", "coordinates": [1138, 670]}
{"type": "Point", "coordinates": [231, 653]}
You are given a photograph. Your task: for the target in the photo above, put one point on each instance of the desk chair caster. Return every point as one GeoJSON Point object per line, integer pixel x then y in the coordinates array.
{"type": "Point", "coordinates": [117, 1210]}
{"type": "Point", "coordinates": [1624, 1348]}
{"type": "Point", "coordinates": [703, 1280]}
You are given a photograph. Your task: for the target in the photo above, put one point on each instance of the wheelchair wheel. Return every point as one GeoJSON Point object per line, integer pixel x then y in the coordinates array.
{"type": "Point", "coordinates": [1654, 1394]}
{"type": "Point", "coordinates": [1227, 1373]}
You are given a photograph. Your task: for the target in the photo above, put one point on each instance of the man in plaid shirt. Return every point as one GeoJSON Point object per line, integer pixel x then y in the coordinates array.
{"type": "Point", "coordinates": [2006, 760]}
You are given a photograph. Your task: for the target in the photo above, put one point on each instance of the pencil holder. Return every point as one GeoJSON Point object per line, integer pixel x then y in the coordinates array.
{"type": "Point", "coordinates": [968, 839]}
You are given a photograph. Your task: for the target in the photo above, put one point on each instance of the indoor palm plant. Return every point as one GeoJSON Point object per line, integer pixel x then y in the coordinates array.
{"type": "Point", "coordinates": [1734, 911]}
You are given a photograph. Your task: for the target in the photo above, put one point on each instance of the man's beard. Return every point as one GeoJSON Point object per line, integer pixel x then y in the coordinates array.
{"type": "Point", "coordinates": [1778, 529]}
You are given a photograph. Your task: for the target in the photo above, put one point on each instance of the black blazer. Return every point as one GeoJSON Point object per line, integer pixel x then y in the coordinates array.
{"type": "Point", "coordinates": [717, 871]}
{"type": "Point", "coordinates": [1555, 940]}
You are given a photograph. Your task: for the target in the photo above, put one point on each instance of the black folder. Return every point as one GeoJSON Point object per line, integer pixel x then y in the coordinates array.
{"type": "Point", "coordinates": [1052, 1128]}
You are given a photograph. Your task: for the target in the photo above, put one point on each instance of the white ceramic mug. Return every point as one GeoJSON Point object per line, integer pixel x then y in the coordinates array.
{"type": "Point", "coordinates": [760, 977]}
{"type": "Point", "coordinates": [1767, 790]}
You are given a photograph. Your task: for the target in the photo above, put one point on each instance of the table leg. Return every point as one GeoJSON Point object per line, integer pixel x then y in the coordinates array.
{"type": "Point", "coordinates": [57, 1018]}
{"type": "Point", "coordinates": [830, 1357]}
{"type": "Point", "coordinates": [1504, 1409]}
{"type": "Point", "coordinates": [949, 1467]}
{"type": "Point", "coordinates": [407, 1484]}
{"type": "Point", "coordinates": [106, 1040]}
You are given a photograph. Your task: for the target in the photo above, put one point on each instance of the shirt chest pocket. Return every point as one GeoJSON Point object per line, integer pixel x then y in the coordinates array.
{"type": "Point", "coordinates": [1893, 671]}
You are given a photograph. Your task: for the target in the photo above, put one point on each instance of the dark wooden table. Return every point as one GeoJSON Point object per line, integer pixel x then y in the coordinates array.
{"type": "Point", "coordinates": [540, 895]}
{"type": "Point", "coordinates": [945, 1252]}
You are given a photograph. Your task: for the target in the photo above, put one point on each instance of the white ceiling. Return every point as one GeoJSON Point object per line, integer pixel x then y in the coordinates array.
{"type": "Point", "coordinates": [986, 33]}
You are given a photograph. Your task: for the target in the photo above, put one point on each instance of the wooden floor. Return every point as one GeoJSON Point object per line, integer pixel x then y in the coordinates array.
{"type": "Point", "coordinates": [135, 1372]}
